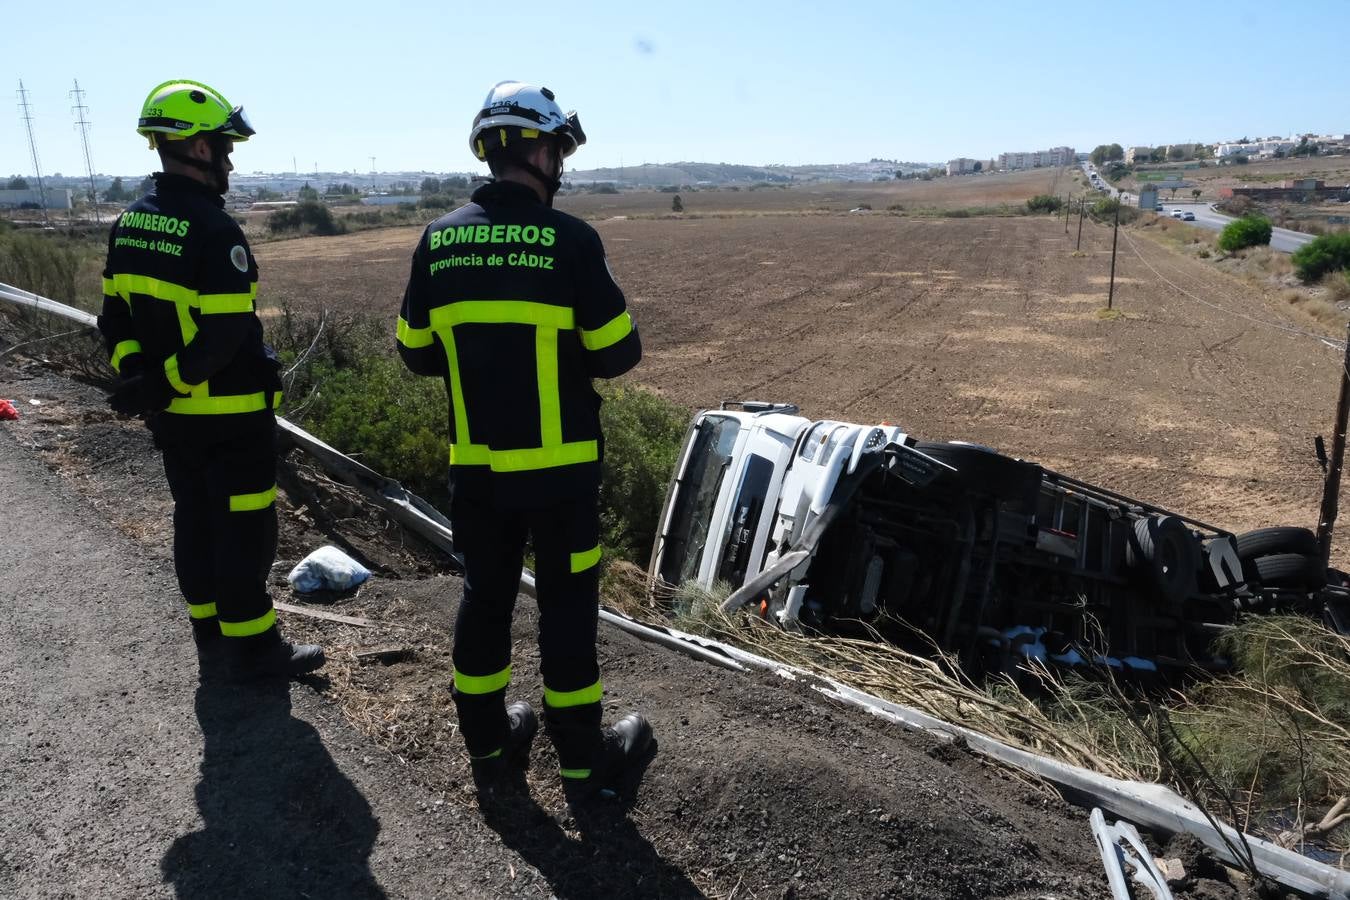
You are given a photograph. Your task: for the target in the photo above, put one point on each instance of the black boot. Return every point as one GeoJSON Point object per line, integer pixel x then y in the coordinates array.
{"type": "Point", "coordinates": [281, 659]}
{"type": "Point", "coordinates": [622, 746]}
{"type": "Point", "coordinates": [514, 757]}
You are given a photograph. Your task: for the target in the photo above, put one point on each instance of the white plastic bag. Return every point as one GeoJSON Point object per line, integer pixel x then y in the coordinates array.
{"type": "Point", "coordinates": [327, 568]}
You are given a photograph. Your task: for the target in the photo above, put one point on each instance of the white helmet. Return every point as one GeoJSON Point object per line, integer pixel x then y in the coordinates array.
{"type": "Point", "coordinates": [514, 110]}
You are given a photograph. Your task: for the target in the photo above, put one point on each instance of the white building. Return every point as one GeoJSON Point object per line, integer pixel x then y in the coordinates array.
{"type": "Point", "coordinates": [57, 198]}
{"type": "Point", "coordinates": [1055, 156]}
{"type": "Point", "coordinates": [960, 166]}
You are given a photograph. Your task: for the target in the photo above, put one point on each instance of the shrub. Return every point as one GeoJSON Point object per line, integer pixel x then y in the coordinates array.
{"type": "Point", "coordinates": [311, 215]}
{"type": "Point", "coordinates": [643, 433]}
{"type": "Point", "coordinates": [1249, 231]}
{"type": "Point", "coordinates": [53, 265]}
{"type": "Point", "coordinates": [1327, 253]}
{"type": "Point", "coordinates": [676, 204]}
{"type": "Point", "coordinates": [1045, 203]}
{"type": "Point", "coordinates": [604, 188]}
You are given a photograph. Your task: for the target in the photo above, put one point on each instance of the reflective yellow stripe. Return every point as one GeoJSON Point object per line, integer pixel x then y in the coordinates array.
{"type": "Point", "coordinates": [470, 454]}
{"type": "Point", "coordinates": [109, 287]}
{"type": "Point", "coordinates": [126, 284]}
{"type": "Point", "coordinates": [122, 351]}
{"type": "Point", "coordinates": [546, 373]}
{"type": "Point", "coordinates": [522, 460]}
{"type": "Point", "coordinates": [413, 338]}
{"type": "Point", "coordinates": [575, 773]}
{"type": "Point", "coordinates": [545, 457]}
{"type": "Point", "coordinates": [251, 502]}
{"type": "Point", "coordinates": [201, 610]}
{"type": "Point", "coordinates": [482, 684]}
{"type": "Point", "coordinates": [608, 334]}
{"type": "Point", "coordinates": [493, 755]}
{"type": "Point", "coordinates": [251, 627]}
{"type": "Point", "coordinates": [501, 312]}
{"type": "Point", "coordinates": [563, 699]}
{"type": "Point", "coordinates": [215, 304]}
{"type": "Point", "coordinates": [529, 132]}
{"type": "Point", "coordinates": [585, 559]}
{"type": "Point", "coordinates": [461, 413]}
{"type": "Point", "coordinates": [171, 372]}
{"type": "Point", "coordinates": [215, 406]}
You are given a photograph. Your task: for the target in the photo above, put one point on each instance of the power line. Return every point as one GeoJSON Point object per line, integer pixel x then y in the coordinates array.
{"type": "Point", "coordinates": [32, 146]}
{"type": "Point", "coordinates": [1288, 329]}
{"type": "Point", "coordinates": [82, 122]}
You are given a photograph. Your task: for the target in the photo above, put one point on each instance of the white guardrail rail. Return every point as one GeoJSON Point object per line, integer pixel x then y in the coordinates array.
{"type": "Point", "coordinates": [1149, 806]}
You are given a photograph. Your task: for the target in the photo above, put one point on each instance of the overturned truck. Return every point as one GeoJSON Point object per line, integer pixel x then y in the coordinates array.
{"type": "Point", "coordinates": [828, 525]}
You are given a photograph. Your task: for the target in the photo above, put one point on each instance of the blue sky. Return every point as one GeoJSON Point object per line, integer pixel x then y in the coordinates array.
{"type": "Point", "coordinates": [334, 84]}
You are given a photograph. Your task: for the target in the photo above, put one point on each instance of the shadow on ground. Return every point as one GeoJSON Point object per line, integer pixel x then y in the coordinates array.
{"type": "Point", "coordinates": [607, 857]}
{"type": "Point", "coordinates": [280, 819]}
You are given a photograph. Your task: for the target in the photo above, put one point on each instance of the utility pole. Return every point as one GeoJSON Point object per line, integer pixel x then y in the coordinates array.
{"type": "Point", "coordinates": [1068, 205]}
{"type": "Point", "coordinates": [1331, 489]}
{"type": "Point", "coordinates": [1115, 233]}
{"type": "Point", "coordinates": [32, 146]}
{"type": "Point", "coordinates": [1082, 205]}
{"type": "Point", "coordinates": [372, 174]}
{"type": "Point", "coordinates": [82, 122]}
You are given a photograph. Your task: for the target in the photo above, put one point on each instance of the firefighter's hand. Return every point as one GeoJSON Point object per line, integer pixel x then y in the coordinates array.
{"type": "Point", "coordinates": [142, 394]}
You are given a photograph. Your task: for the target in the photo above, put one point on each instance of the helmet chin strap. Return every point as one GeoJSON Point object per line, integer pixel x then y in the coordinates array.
{"type": "Point", "coordinates": [552, 182]}
{"type": "Point", "coordinates": [215, 168]}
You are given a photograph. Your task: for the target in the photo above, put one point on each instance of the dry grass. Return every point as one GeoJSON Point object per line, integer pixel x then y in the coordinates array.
{"type": "Point", "coordinates": [1080, 728]}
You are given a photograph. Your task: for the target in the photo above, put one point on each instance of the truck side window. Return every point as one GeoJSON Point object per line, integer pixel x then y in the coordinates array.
{"type": "Point", "coordinates": [697, 496]}
{"type": "Point", "coordinates": [745, 519]}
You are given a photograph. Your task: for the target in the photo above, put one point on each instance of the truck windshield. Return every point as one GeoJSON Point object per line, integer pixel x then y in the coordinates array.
{"type": "Point", "coordinates": [696, 495]}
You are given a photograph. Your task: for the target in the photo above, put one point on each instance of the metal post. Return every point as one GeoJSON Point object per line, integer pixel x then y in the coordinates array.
{"type": "Point", "coordinates": [1115, 231]}
{"type": "Point", "coordinates": [1068, 205]}
{"type": "Point", "coordinates": [1082, 205]}
{"type": "Point", "coordinates": [1331, 489]}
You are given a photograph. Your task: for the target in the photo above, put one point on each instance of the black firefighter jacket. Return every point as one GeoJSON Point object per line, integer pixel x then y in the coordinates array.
{"type": "Point", "coordinates": [513, 303]}
{"type": "Point", "coordinates": [178, 293]}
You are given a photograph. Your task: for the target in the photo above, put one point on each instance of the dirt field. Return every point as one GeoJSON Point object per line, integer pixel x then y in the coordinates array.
{"type": "Point", "coordinates": [982, 329]}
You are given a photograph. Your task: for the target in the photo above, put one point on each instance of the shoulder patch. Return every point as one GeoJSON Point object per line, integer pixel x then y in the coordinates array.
{"type": "Point", "coordinates": [239, 256]}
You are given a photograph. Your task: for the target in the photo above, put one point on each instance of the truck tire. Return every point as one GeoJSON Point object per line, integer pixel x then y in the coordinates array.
{"type": "Point", "coordinates": [1301, 571]}
{"type": "Point", "coordinates": [1166, 553]}
{"type": "Point", "coordinates": [1282, 539]}
{"type": "Point", "coordinates": [985, 471]}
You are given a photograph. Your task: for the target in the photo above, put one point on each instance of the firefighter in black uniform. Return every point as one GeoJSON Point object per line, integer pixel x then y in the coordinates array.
{"type": "Point", "coordinates": [179, 322]}
{"type": "Point", "coordinates": [513, 304]}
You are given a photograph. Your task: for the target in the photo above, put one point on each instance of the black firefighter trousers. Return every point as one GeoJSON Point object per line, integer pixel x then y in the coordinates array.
{"type": "Point", "coordinates": [566, 542]}
{"type": "Point", "coordinates": [225, 529]}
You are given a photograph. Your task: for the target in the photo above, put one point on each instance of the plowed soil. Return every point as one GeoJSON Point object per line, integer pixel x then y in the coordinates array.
{"type": "Point", "coordinates": [1201, 396]}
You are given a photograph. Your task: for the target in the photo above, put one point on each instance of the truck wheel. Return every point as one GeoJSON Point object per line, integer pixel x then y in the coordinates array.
{"type": "Point", "coordinates": [986, 471]}
{"type": "Point", "coordinates": [1164, 551]}
{"type": "Point", "coordinates": [1282, 539]}
{"type": "Point", "coordinates": [1291, 570]}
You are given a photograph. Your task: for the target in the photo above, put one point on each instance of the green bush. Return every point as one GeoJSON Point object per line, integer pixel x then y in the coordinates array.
{"type": "Point", "coordinates": [1045, 203]}
{"type": "Point", "coordinates": [1249, 231]}
{"type": "Point", "coordinates": [1327, 253]}
{"type": "Point", "coordinates": [309, 215]}
{"type": "Point", "coordinates": [643, 433]}
{"type": "Point", "coordinates": [62, 267]}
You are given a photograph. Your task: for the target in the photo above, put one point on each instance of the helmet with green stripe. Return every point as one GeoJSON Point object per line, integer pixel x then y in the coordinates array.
{"type": "Point", "coordinates": [515, 112]}
{"type": "Point", "coordinates": [180, 109]}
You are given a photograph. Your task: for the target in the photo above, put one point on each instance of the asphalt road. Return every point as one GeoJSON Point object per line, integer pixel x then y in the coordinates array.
{"type": "Point", "coordinates": [1281, 239]}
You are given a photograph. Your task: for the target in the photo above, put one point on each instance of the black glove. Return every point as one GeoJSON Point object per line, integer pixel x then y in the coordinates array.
{"type": "Point", "coordinates": [142, 394]}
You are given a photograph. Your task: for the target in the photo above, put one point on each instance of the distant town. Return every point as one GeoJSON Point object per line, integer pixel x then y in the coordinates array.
{"type": "Point", "coordinates": [64, 192]}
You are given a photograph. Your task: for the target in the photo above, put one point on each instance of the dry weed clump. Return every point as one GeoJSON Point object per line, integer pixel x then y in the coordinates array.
{"type": "Point", "coordinates": [1092, 733]}
{"type": "Point", "coordinates": [1320, 309]}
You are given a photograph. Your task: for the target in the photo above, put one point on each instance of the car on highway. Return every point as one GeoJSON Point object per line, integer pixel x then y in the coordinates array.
{"type": "Point", "coordinates": [1188, 216]}
{"type": "Point", "coordinates": [1158, 207]}
{"type": "Point", "coordinates": [1177, 214]}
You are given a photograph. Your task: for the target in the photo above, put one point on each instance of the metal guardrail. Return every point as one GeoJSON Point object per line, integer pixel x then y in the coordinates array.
{"type": "Point", "coordinates": [1151, 806]}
